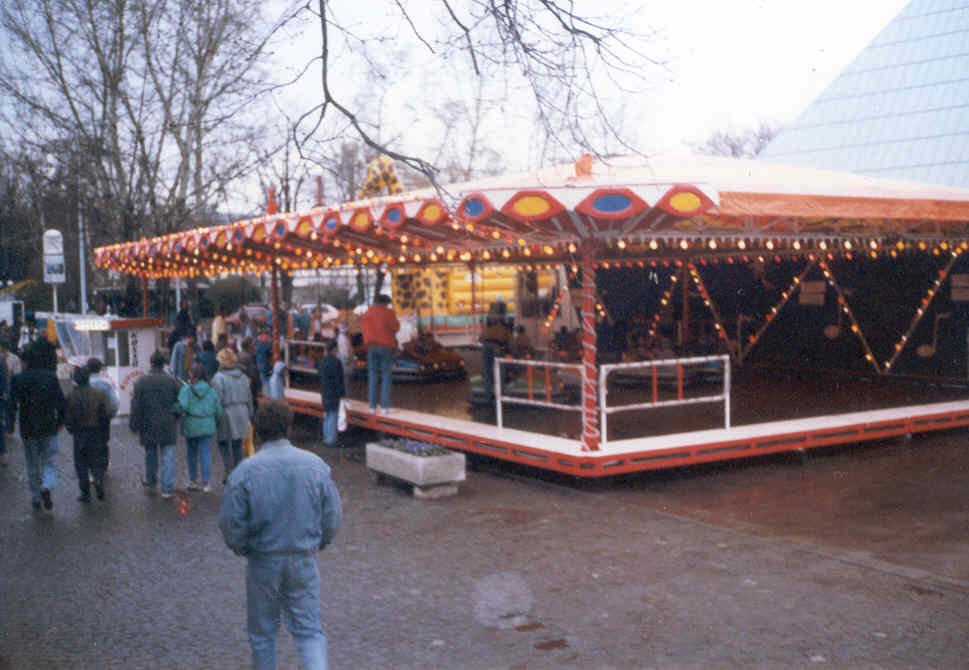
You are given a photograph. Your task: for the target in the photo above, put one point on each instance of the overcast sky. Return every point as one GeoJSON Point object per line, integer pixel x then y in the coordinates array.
{"type": "Point", "coordinates": [731, 64]}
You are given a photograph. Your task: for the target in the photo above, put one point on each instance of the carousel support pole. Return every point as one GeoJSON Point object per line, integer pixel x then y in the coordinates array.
{"type": "Point", "coordinates": [144, 296]}
{"type": "Point", "coordinates": [685, 319]}
{"type": "Point", "coordinates": [474, 302]}
{"type": "Point", "coordinates": [590, 370]}
{"type": "Point", "coordinates": [277, 312]}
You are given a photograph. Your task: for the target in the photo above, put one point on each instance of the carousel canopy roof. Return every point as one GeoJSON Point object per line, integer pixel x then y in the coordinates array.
{"type": "Point", "coordinates": [625, 205]}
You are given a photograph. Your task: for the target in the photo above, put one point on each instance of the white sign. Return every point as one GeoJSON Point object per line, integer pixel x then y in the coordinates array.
{"type": "Point", "coordinates": [53, 243]}
{"type": "Point", "coordinates": [54, 272]}
{"type": "Point", "coordinates": [54, 269]}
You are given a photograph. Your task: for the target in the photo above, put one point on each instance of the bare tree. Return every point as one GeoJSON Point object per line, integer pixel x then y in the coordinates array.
{"type": "Point", "coordinates": [143, 99]}
{"type": "Point", "coordinates": [744, 144]}
{"type": "Point", "coordinates": [561, 59]}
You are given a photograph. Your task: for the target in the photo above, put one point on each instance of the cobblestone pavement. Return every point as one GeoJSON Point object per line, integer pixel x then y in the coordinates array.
{"type": "Point", "coordinates": [514, 572]}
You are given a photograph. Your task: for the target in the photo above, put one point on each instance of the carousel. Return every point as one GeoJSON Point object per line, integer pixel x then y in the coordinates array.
{"type": "Point", "coordinates": [781, 265]}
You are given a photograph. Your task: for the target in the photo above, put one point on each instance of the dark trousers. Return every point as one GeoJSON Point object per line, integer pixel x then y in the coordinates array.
{"type": "Point", "coordinates": [90, 457]}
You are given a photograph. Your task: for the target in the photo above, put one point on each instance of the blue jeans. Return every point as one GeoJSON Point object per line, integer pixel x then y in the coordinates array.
{"type": "Point", "coordinates": [231, 451]}
{"type": "Point", "coordinates": [40, 455]}
{"type": "Point", "coordinates": [167, 465]}
{"type": "Point", "coordinates": [287, 585]}
{"type": "Point", "coordinates": [329, 427]}
{"type": "Point", "coordinates": [379, 362]}
{"type": "Point", "coordinates": [199, 451]}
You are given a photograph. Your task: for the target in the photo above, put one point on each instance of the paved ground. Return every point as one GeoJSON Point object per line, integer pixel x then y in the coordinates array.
{"type": "Point", "coordinates": [856, 558]}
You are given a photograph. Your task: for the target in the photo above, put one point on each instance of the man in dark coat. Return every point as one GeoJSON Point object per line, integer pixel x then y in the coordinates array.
{"type": "Point", "coordinates": [332, 392]}
{"type": "Point", "coordinates": [153, 417]}
{"type": "Point", "coordinates": [40, 402]}
{"type": "Point", "coordinates": [183, 324]}
{"type": "Point", "coordinates": [86, 418]}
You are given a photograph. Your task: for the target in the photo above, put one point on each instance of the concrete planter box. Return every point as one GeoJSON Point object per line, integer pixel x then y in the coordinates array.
{"type": "Point", "coordinates": [432, 476]}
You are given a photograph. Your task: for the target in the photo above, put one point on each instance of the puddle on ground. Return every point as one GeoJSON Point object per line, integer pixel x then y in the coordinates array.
{"type": "Point", "coordinates": [548, 645]}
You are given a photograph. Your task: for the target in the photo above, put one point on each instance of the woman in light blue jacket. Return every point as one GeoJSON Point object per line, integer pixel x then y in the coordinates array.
{"type": "Point", "coordinates": [201, 410]}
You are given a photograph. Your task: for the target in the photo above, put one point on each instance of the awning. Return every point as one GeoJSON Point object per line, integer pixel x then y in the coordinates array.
{"type": "Point", "coordinates": [621, 207]}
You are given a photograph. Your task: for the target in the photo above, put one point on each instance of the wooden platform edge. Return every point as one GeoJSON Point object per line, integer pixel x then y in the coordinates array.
{"type": "Point", "coordinates": [563, 456]}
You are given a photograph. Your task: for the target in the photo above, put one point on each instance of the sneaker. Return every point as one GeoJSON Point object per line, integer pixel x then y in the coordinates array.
{"type": "Point", "coordinates": [84, 498]}
{"type": "Point", "coordinates": [384, 411]}
{"type": "Point", "coordinates": [206, 488]}
{"type": "Point", "coordinates": [35, 504]}
{"type": "Point", "coordinates": [148, 487]}
{"type": "Point", "coordinates": [193, 486]}
{"type": "Point", "coordinates": [99, 490]}
{"type": "Point", "coordinates": [167, 495]}
{"type": "Point", "coordinates": [373, 410]}
{"type": "Point", "coordinates": [45, 496]}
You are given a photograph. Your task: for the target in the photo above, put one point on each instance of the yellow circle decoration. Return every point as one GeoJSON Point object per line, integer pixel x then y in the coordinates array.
{"type": "Point", "coordinates": [432, 212]}
{"type": "Point", "coordinates": [531, 205]}
{"type": "Point", "coordinates": [685, 202]}
{"type": "Point", "coordinates": [361, 220]}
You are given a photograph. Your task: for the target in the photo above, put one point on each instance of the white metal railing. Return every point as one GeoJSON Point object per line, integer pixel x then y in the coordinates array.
{"type": "Point", "coordinates": [529, 366]}
{"type": "Point", "coordinates": [679, 365]}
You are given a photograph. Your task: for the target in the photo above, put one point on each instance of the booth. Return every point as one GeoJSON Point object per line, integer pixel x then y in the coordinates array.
{"type": "Point", "coordinates": [125, 345]}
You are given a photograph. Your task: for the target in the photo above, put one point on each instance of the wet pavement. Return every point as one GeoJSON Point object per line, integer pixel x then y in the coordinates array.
{"type": "Point", "coordinates": [852, 558]}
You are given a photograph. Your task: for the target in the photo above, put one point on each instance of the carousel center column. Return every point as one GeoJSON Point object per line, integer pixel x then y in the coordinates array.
{"type": "Point", "coordinates": [590, 371]}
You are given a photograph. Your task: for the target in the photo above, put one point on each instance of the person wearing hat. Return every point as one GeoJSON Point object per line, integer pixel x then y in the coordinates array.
{"type": "Point", "coordinates": [379, 326]}
{"type": "Point", "coordinates": [232, 386]}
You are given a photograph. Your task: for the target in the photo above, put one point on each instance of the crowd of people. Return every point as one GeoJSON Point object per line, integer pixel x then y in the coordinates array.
{"type": "Point", "coordinates": [280, 505]}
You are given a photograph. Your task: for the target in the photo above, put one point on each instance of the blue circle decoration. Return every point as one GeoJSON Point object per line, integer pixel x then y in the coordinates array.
{"type": "Point", "coordinates": [239, 236]}
{"type": "Point", "coordinates": [178, 246]}
{"type": "Point", "coordinates": [280, 229]}
{"type": "Point", "coordinates": [474, 207]}
{"type": "Point", "coordinates": [612, 203]}
{"type": "Point", "coordinates": [394, 215]}
{"type": "Point", "coordinates": [331, 223]}
{"type": "Point", "coordinates": [204, 243]}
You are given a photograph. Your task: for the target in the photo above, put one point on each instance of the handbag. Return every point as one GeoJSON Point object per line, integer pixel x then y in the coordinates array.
{"type": "Point", "coordinates": [248, 446]}
{"type": "Point", "coordinates": [341, 417]}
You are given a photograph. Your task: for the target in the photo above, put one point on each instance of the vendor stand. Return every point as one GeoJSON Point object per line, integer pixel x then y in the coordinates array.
{"type": "Point", "coordinates": [124, 345]}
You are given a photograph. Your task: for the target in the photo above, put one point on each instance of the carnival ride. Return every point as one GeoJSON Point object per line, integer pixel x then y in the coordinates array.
{"type": "Point", "coordinates": [887, 256]}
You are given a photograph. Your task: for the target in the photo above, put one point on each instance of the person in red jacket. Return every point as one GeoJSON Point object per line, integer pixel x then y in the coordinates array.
{"type": "Point", "coordinates": [379, 326]}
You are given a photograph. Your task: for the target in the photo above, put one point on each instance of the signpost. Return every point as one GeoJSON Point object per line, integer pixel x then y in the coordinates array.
{"type": "Point", "coordinates": [54, 270]}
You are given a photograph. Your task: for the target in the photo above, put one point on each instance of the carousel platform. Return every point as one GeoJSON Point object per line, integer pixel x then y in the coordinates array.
{"type": "Point", "coordinates": [649, 453]}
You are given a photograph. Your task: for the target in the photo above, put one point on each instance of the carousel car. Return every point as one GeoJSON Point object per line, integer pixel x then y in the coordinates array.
{"type": "Point", "coordinates": [258, 314]}
{"type": "Point", "coordinates": [418, 364]}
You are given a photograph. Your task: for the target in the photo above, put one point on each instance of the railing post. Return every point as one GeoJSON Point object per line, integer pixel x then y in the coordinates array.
{"type": "Point", "coordinates": [498, 413]}
{"type": "Point", "coordinates": [726, 391]}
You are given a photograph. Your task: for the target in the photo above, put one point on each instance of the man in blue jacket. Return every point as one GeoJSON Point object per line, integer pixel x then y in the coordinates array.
{"type": "Point", "coordinates": [279, 508]}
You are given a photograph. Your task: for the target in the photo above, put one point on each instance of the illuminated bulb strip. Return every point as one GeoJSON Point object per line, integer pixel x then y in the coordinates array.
{"type": "Point", "coordinates": [701, 287]}
{"type": "Point", "coordinates": [774, 311]}
{"type": "Point", "coordinates": [554, 312]}
{"type": "Point", "coordinates": [844, 307]}
{"type": "Point", "coordinates": [922, 308]}
{"type": "Point", "coordinates": [664, 302]}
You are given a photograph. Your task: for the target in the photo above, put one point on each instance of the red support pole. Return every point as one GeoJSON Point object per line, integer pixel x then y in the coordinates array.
{"type": "Point", "coordinates": [144, 296]}
{"type": "Point", "coordinates": [277, 312]}
{"type": "Point", "coordinates": [590, 370]}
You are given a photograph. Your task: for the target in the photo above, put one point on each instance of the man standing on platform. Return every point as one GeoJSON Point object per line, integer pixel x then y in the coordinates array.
{"type": "Point", "coordinates": [379, 326]}
{"type": "Point", "coordinates": [279, 508]}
